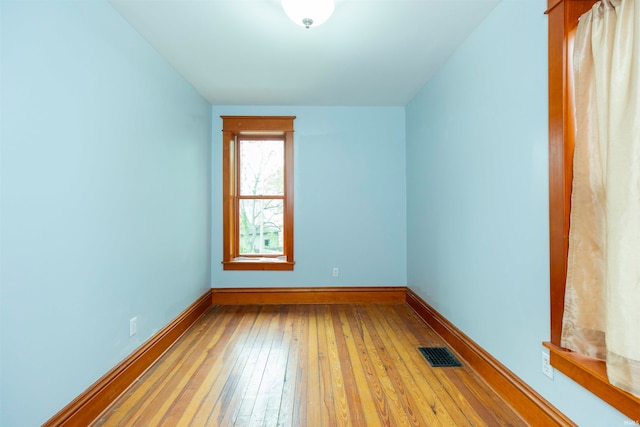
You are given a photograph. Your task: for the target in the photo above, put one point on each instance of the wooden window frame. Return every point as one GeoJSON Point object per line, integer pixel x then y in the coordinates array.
{"type": "Point", "coordinates": [232, 128]}
{"type": "Point", "coordinates": [586, 371]}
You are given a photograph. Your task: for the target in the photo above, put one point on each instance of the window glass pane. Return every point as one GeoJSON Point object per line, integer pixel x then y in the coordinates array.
{"type": "Point", "coordinates": [261, 230]}
{"type": "Point", "coordinates": [261, 167]}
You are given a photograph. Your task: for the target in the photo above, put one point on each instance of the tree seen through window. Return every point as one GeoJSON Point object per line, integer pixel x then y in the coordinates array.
{"type": "Point", "coordinates": [261, 195]}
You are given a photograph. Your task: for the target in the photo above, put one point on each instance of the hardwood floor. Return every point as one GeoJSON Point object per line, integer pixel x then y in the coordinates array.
{"type": "Point", "coordinates": [307, 365]}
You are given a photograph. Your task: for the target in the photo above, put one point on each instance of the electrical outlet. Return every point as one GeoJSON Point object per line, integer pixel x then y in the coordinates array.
{"type": "Point", "coordinates": [547, 369]}
{"type": "Point", "coordinates": [336, 272]}
{"type": "Point", "coordinates": [133, 326]}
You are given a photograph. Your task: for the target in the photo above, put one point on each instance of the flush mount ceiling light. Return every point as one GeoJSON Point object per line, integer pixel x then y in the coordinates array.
{"type": "Point", "coordinates": [308, 13]}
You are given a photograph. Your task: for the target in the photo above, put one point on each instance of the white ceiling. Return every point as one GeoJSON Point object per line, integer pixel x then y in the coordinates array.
{"type": "Point", "coordinates": [247, 52]}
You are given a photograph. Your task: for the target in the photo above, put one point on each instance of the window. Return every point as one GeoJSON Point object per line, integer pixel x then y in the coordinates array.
{"type": "Point", "coordinates": [257, 193]}
{"type": "Point", "coordinates": [590, 373]}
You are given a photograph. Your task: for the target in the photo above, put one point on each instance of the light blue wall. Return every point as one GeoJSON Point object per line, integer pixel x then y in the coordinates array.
{"type": "Point", "coordinates": [105, 166]}
{"type": "Point", "coordinates": [477, 191]}
{"type": "Point", "coordinates": [106, 210]}
{"type": "Point", "coordinates": [349, 169]}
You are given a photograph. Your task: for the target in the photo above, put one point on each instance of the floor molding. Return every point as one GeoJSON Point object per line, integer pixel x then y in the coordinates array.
{"type": "Point", "coordinates": [527, 402]}
{"type": "Point", "coordinates": [92, 402]}
{"type": "Point", "coordinates": [326, 295]}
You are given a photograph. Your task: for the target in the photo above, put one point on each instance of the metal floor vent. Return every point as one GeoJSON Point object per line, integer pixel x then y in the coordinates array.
{"type": "Point", "coordinates": [439, 357]}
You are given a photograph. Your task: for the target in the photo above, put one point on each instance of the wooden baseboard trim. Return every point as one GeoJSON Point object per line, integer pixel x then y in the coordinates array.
{"type": "Point", "coordinates": [92, 402]}
{"type": "Point", "coordinates": [527, 402]}
{"type": "Point", "coordinates": [328, 295]}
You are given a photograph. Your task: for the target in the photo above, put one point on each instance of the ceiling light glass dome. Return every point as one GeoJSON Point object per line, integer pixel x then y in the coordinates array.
{"type": "Point", "coordinates": [308, 13]}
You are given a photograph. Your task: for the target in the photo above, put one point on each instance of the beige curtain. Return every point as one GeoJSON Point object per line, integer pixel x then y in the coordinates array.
{"type": "Point", "coordinates": [602, 303]}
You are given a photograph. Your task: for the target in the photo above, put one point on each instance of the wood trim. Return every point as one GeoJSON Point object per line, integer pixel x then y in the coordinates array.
{"type": "Point", "coordinates": [258, 265]}
{"type": "Point", "coordinates": [239, 124]}
{"type": "Point", "coordinates": [563, 20]}
{"type": "Point", "coordinates": [288, 201]}
{"type": "Point", "coordinates": [92, 402]}
{"type": "Point", "coordinates": [592, 374]}
{"type": "Point", "coordinates": [229, 192]}
{"type": "Point", "coordinates": [320, 295]}
{"type": "Point", "coordinates": [551, 4]}
{"type": "Point", "coordinates": [527, 402]}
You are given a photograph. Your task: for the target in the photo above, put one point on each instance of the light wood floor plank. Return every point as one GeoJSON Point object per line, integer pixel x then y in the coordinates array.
{"type": "Point", "coordinates": [463, 385]}
{"type": "Point", "coordinates": [143, 392]}
{"type": "Point", "coordinates": [364, 404]}
{"type": "Point", "coordinates": [215, 374]}
{"type": "Point", "coordinates": [223, 397]}
{"type": "Point", "coordinates": [302, 373]}
{"type": "Point", "coordinates": [314, 399]}
{"type": "Point", "coordinates": [307, 365]}
{"type": "Point", "coordinates": [254, 372]}
{"type": "Point", "coordinates": [454, 402]}
{"type": "Point", "coordinates": [290, 400]}
{"type": "Point", "coordinates": [384, 371]}
{"type": "Point", "coordinates": [374, 383]}
{"type": "Point", "coordinates": [204, 370]}
{"type": "Point", "coordinates": [421, 393]}
{"type": "Point", "coordinates": [267, 404]}
{"type": "Point", "coordinates": [349, 365]}
{"type": "Point", "coordinates": [448, 410]}
{"type": "Point", "coordinates": [327, 407]}
{"type": "Point", "coordinates": [340, 398]}
{"type": "Point", "coordinates": [194, 370]}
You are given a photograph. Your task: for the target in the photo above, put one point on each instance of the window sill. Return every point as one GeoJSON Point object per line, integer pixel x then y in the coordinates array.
{"type": "Point", "coordinates": [591, 374]}
{"type": "Point", "coordinates": [267, 264]}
